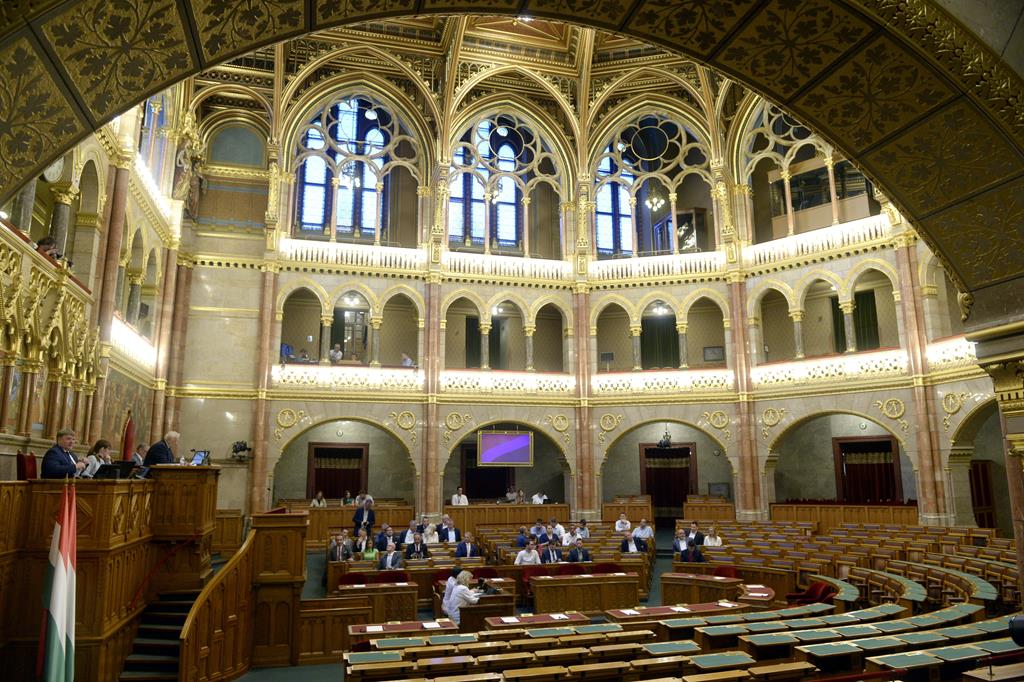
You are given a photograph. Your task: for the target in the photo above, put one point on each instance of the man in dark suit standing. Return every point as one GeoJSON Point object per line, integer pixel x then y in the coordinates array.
{"type": "Point", "coordinates": [59, 461]}
{"type": "Point", "coordinates": [579, 552]}
{"type": "Point", "coordinates": [391, 559]}
{"type": "Point", "coordinates": [551, 555]}
{"type": "Point", "coordinates": [467, 548]}
{"type": "Point", "coordinates": [695, 535]}
{"type": "Point", "coordinates": [364, 517]}
{"type": "Point", "coordinates": [162, 452]}
{"type": "Point", "coordinates": [417, 549]}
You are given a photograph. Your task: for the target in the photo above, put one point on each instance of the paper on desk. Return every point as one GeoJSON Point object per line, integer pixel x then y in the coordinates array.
{"type": "Point", "coordinates": [402, 584]}
{"type": "Point", "coordinates": [618, 574]}
{"type": "Point", "coordinates": [559, 616]}
{"type": "Point", "coordinates": [719, 577]}
{"type": "Point", "coordinates": [359, 586]}
{"type": "Point", "coordinates": [431, 625]}
{"type": "Point", "coordinates": [509, 619]}
{"type": "Point", "coordinates": [375, 628]}
{"type": "Point", "coordinates": [726, 603]}
{"type": "Point", "coordinates": [545, 577]}
{"type": "Point", "coordinates": [586, 575]}
{"type": "Point", "coordinates": [679, 609]}
{"type": "Point", "coordinates": [756, 586]}
{"type": "Point", "coordinates": [631, 612]}
{"type": "Point", "coordinates": [758, 594]}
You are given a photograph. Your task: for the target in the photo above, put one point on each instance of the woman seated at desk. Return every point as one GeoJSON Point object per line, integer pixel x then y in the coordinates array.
{"type": "Point", "coordinates": [462, 595]}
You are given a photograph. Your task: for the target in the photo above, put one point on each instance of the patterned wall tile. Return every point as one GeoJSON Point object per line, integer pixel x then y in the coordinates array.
{"type": "Point", "coordinates": [692, 25]}
{"type": "Point", "coordinates": [984, 237]}
{"type": "Point", "coordinates": [607, 12]}
{"type": "Point", "coordinates": [36, 121]}
{"type": "Point", "coordinates": [115, 52]}
{"type": "Point", "coordinates": [497, 6]}
{"type": "Point", "coordinates": [228, 26]}
{"type": "Point", "coordinates": [790, 42]}
{"type": "Point", "coordinates": [332, 11]}
{"type": "Point", "coordinates": [877, 91]}
{"type": "Point", "coordinates": [952, 153]}
{"type": "Point", "coordinates": [14, 13]}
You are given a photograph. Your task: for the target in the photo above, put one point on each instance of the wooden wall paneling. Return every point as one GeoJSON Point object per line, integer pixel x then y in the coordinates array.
{"type": "Point", "coordinates": [227, 532]}
{"type": "Point", "coordinates": [279, 572]}
{"type": "Point", "coordinates": [709, 511]}
{"type": "Point", "coordinates": [634, 511]}
{"type": "Point", "coordinates": [323, 632]}
{"type": "Point", "coordinates": [184, 508]}
{"type": "Point", "coordinates": [325, 521]}
{"type": "Point", "coordinates": [830, 516]}
{"type": "Point", "coordinates": [472, 516]}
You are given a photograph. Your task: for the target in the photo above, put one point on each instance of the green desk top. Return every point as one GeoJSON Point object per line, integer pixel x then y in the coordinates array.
{"type": "Point", "coordinates": [550, 632]}
{"type": "Point", "coordinates": [683, 646]}
{"type": "Point", "coordinates": [840, 619]}
{"type": "Point", "coordinates": [889, 609]}
{"type": "Point", "coordinates": [728, 659]}
{"type": "Point", "coordinates": [815, 635]}
{"type": "Point", "coordinates": [683, 622]}
{"type": "Point", "coordinates": [598, 627]}
{"type": "Point", "coordinates": [830, 649]}
{"type": "Point", "coordinates": [912, 660]}
{"type": "Point", "coordinates": [878, 643]}
{"type": "Point", "coordinates": [761, 615]}
{"type": "Point", "coordinates": [358, 657]}
{"type": "Point", "coordinates": [997, 646]}
{"type": "Point", "coordinates": [459, 639]}
{"type": "Point", "coordinates": [850, 631]}
{"type": "Point", "coordinates": [721, 630]}
{"type": "Point", "coordinates": [957, 653]}
{"type": "Point", "coordinates": [773, 626]}
{"type": "Point", "coordinates": [960, 632]}
{"type": "Point", "coordinates": [399, 642]}
{"type": "Point", "coordinates": [802, 623]}
{"type": "Point", "coordinates": [819, 608]}
{"type": "Point", "coordinates": [918, 638]}
{"type": "Point", "coordinates": [724, 618]}
{"type": "Point", "coordinates": [993, 625]}
{"type": "Point", "coordinates": [926, 621]}
{"type": "Point", "coordinates": [892, 626]}
{"type": "Point", "coordinates": [771, 639]}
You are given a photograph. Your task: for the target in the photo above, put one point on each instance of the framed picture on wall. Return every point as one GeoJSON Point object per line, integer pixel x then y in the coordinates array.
{"type": "Point", "coordinates": [714, 353]}
{"type": "Point", "coordinates": [723, 490]}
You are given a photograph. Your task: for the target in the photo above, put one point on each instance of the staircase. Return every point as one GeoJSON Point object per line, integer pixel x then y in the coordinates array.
{"type": "Point", "coordinates": [154, 654]}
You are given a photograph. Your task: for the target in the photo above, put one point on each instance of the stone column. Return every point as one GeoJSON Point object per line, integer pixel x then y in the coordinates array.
{"type": "Point", "coordinates": [634, 331]}
{"type": "Point", "coordinates": [179, 330]}
{"type": "Point", "coordinates": [958, 471]}
{"type": "Point", "coordinates": [485, 345]}
{"type": "Point", "coordinates": [526, 227]}
{"type": "Point", "coordinates": [633, 224]}
{"type": "Point", "coordinates": [25, 201]}
{"type": "Point", "coordinates": [134, 298]}
{"type": "Point", "coordinates": [832, 188]}
{"type": "Point", "coordinates": [848, 326]}
{"type": "Point", "coordinates": [528, 332]}
{"type": "Point", "coordinates": [755, 345]}
{"type": "Point", "coordinates": [798, 333]}
{"type": "Point", "coordinates": [431, 362]}
{"type": "Point", "coordinates": [325, 339]}
{"type": "Point", "coordinates": [331, 228]}
{"type": "Point", "coordinates": [770, 465]}
{"type": "Point", "coordinates": [379, 223]}
{"type": "Point", "coordinates": [267, 351]}
{"type": "Point", "coordinates": [790, 221]}
{"type": "Point", "coordinates": [674, 232]}
{"type": "Point", "coordinates": [29, 370]}
{"type": "Point", "coordinates": [51, 406]}
{"type": "Point", "coordinates": [750, 503]}
{"type": "Point", "coordinates": [63, 197]}
{"type": "Point", "coordinates": [683, 357]}
{"type": "Point", "coordinates": [162, 335]}
{"type": "Point", "coordinates": [375, 323]}
{"type": "Point", "coordinates": [487, 223]}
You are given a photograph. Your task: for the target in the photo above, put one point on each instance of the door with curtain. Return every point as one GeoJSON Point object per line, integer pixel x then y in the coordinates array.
{"type": "Point", "coordinates": [867, 470]}
{"type": "Point", "coordinates": [668, 475]}
{"type": "Point", "coordinates": [335, 468]}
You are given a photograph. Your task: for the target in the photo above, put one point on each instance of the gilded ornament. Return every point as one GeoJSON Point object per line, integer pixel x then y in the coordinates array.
{"type": "Point", "coordinates": [951, 404]}
{"type": "Point", "coordinates": [717, 419]}
{"type": "Point", "coordinates": [455, 421]}
{"type": "Point", "coordinates": [406, 421]}
{"type": "Point", "coordinates": [287, 418]}
{"type": "Point", "coordinates": [894, 409]}
{"type": "Point", "coordinates": [608, 422]}
{"type": "Point", "coordinates": [560, 423]}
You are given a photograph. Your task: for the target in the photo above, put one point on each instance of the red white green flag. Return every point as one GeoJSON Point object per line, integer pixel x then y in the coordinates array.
{"type": "Point", "coordinates": [56, 661]}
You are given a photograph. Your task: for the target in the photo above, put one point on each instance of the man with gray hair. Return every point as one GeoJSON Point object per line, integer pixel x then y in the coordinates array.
{"type": "Point", "coordinates": [59, 461]}
{"type": "Point", "coordinates": [162, 452]}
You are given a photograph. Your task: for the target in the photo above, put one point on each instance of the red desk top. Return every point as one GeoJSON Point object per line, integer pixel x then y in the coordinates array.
{"type": "Point", "coordinates": [444, 626]}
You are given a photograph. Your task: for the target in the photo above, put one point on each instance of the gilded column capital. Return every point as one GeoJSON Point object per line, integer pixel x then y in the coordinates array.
{"type": "Point", "coordinates": [64, 195]}
{"type": "Point", "coordinates": [485, 328]}
{"type": "Point", "coordinates": [326, 321]}
{"type": "Point", "coordinates": [1008, 384]}
{"type": "Point", "coordinates": [846, 307]}
{"type": "Point", "coordinates": [424, 190]}
{"type": "Point", "coordinates": [375, 322]}
{"type": "Point", "coordinates": [635, 329]}
{"type": "Point", "coordinates": [784, 174]}
{"type": "Point", "coordinates": [529, 330]}
{"type": "Point", "coordinates": [796, 315]}
{"type": "Point", "coordinates": [681, 328]}
{"type": "Point", "coordinates": [124, 159]}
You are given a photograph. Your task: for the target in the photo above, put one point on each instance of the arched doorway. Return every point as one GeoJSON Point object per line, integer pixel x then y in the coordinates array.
{"type": "Point", "coordinates": [636, 464]}
{"type": "Point", "coordinates": [345, 454]}
{"type": "Point", "coordinates": [549, 473]}
{"type": "Point", "coordinates": [977, 472]}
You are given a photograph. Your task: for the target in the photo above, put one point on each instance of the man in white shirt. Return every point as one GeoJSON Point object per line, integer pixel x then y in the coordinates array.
{"type": "Point", "coordinates": [539, 498]}
{"type": "Point", "coordinates": [582, 531]}
{"type": "Point", "coordinates": [643, 531]}
{"type": "Point", "coordinates": [409, 535]}
{"type": "Point", "coordinates": [622, 524]}
{"type": "Point", "coordinates": [559, 528]}
{"type": "Point", "coordinates": [459, 498]}
{"type": "Point", "coordinates": [528, 556]}
{"type": "Point", "coordinates": [569, 539]}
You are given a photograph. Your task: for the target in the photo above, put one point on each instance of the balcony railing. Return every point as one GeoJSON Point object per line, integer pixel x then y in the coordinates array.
{"type": "Point", "coordinates": [951, 354]}
{"type": "Point", "coordinates": [477, 381]}
{"type": "Point", "coordinates": [654, 267]}
{"type": "Point", "coordinates": [511, 267]}
{"type": "Point", "coordinates": [347, 378]}
{"type": "Point", "coordinates": [816, 242]}
{"type": "Point", "coordinates": [832, 369]}
{"type": "Point", "coordinates": [658, 382]}
{"type": "Point", "coordinates": [388, 258]}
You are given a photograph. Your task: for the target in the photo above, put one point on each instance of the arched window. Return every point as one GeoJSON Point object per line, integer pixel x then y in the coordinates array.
{"type": "Point", "coordinates": [345, 155]}
{"type": "Point", "coordinates": [614, 214]}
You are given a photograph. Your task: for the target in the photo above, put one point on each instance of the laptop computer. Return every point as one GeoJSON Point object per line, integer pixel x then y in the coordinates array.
{"type": "Point", "coordinates": [115, 470]}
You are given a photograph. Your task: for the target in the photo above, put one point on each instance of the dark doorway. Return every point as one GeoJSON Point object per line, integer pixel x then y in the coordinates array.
{"type": "Point", "coordinates": [668, 475]}
{"type": "Point", "coordinates": [981, 493]}
{"type": "Point", "coordinates": [472, 342]}
{"type": "Point", "coordinates": [335, 468]}
{"type": "Point", "coordinates": [867, 470]}
{"type": "Point", "coordinates": [487, 483]}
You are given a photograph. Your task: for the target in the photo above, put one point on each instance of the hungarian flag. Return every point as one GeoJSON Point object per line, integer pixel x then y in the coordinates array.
{"type": "Point", "coordinates": [56, 661]}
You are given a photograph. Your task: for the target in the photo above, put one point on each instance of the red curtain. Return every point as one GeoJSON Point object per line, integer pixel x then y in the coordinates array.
{"type": "Point", "coordinates": [869, 477]}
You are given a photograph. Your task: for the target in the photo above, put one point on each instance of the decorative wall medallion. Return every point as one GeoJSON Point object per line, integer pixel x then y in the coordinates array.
{"type": "Point", "coordinates": [406, 421]}
{"type": "Point", "coordinates": [894, 409]}
{"type": "Point", "coordinates": [286, 419]}
{"type": "Point", "coordinates": [455, 421]}
{"type": "Point", "coordinates": [560, 423]}
{"type": "Point", "coordinates": [607, 422]}
{"type": "Point", "coordinates": [719, 420]}
{"type": "Point", "coordinates": [951, 404]}
{"type": "Point", "coordinates": [770, 418]}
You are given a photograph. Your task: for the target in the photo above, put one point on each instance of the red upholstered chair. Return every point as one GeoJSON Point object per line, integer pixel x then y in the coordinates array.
{"type": "Point", "coordinates": [26, 464]}
{"type": "Point", "coordinates": [354, 579]}
{"type": "Point", "coordinates": [726, 572]}
{"type": "Point", "coordinates": [569, 569]}
{"type": "Point", "coordinates": [485, 572]}
{"type": "Point", "coordinates": [392, 577]}
{"type": "Point", "coordinates": [530, 572]}
{"type": "Point", "coordinates": [815, 593]}
{"type": "Point", "coordinates": [606, 567]}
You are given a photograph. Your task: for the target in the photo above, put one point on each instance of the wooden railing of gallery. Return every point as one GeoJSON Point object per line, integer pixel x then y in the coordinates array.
{"type": "Point", "coordinates": [709, 510]}
{"type": "Point", "coordinates": [327, 520]}
{"type": "Point", "coordinates": [216, 640]}
{"type": "Point", "coordinates": [831, 516]}
{"type": "Point", "coordinates": [635, 508]}
{"type": "Point", "coordinates": [472, 516]}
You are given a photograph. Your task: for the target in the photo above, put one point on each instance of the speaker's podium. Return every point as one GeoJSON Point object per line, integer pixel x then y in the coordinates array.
{"type": "Point", "coordinates": [136, 538]}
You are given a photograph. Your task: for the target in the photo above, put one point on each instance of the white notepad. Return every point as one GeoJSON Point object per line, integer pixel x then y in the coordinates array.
{"type": "Point", "coordinates": [559, 616]}
{"type": "Point", "coordinates": [631, 612]}
{"type": "Point", "coordinates": [756, 586]}
{"type": "Point", "coordinates": [679, 609]}
{"type": "Point", "coordinates": [509, 619]}
{"type": "Point", "coordinates": [375, 628]}
{"type": "Point", "coordinates": [431, 626]}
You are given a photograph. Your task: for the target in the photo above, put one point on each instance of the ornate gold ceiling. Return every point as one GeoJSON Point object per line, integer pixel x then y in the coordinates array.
{"type": "Point", "coordinates": [898, 85]}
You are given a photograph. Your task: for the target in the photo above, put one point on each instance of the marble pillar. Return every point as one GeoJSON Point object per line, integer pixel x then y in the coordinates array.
{"type": "Point", "coordinates": [60, 218]}
{"type": "Point", "coordinates": [683, 351]}
{"type": "Point", "coordinates": [634, 331]}
{"type": "Point", "coordinates": [24, 203]}
{"type": "Point", "coordinates": [528, 331]}
{"type": "Point", "coordinates": [849, 326]}
{"type": "Point", "coordinates": [798, 334]}
{"type": "Point", "coordinates": [485, 346]}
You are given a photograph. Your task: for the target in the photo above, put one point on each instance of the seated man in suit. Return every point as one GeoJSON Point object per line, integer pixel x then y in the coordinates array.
{"type": "Point", "coordinates": [695, 534]}
{"type": "Point", "coordinates": [385, 538]}
{"type": "Point", "coordinates": [390, 559]}
{"type": "Point", "coordinates": [551, 555]}
{"type": "Point", "coordinates": [448, 532]}
{"type": "Point", "coordinates": [417, 549]}
{"type": "Point", "coordinates": [679, 544]}
{"type": "Point", "coordinates": [407, 536]}
{"type": "Point", "coordinates": [579, 552]}
{"type": "Point", "coordinates": [162, 451]}
{"type": "Point", "coordinates": [631, 545]}
{"type": "Point", "coordinates": [139, 456]}
{"type": "Point", "coordinates": [692, 554]}
{"type": "Point", "coordinates": [421, 527]}
{"type": "Point", "coordinates": [341, 547]}
{"type": "Point", "coordinates": [467, 548]}
{"type": "Point", "coordinates": [59, 461]}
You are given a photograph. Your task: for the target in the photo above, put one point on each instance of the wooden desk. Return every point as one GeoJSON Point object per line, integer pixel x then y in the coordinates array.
{"type": "Point", "coordinates": [388, 601]}
{"type": "Point", "coordinates": [586, 593]}
{"type": "Point", "coordinates": [472, 617]}
{"type": "Point", "coordinates": [1000, 673]}
{"type": "Point", "coordinates": [781, 581]}
{"type": "Point", "coordinates": [412, 628]}
{"type": "Point", "coordinates": [656, 613]}
{"type": "Point", "coordinates": [832, 657]}
{"type": "Point", "coordinates": [684, 588]}
{"type": "Point", "coordinates": [539, 620]}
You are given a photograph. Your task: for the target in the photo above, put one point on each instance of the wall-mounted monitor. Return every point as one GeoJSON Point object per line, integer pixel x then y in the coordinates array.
{"type": "Point", "coordinates": [504, 448]}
